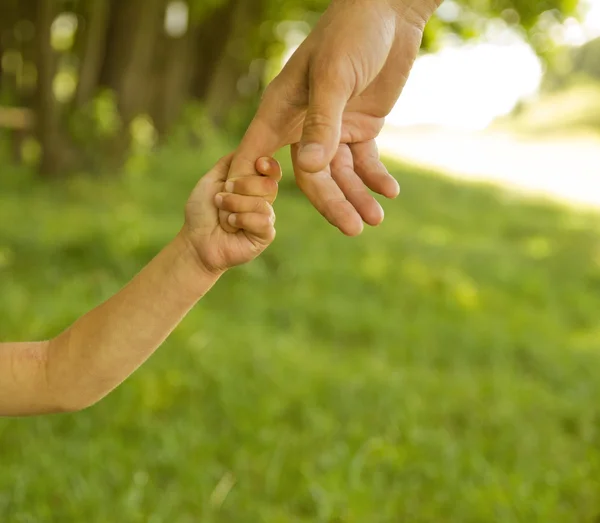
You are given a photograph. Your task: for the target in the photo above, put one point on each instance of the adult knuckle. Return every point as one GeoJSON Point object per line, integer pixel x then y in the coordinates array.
{"type": "Point", "coordinates": [366, 161]}
{"type": "Point", "coordinates": [333, 71]}
{"type": "Point", "coordinates": [318, 118]}
{"type": "Point", "coordinates": [328, 67]}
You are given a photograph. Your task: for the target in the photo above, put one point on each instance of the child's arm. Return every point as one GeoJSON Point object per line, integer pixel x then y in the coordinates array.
{"type": "Point", "coordinates": [102, 348]}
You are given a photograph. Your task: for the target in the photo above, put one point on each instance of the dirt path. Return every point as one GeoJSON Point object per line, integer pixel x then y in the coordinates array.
{"type": "Point", "coordinates": [567, 169]}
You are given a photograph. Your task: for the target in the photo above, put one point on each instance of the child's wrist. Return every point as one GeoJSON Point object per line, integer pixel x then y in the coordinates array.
{"type": "Point", "coordinates": [193, 263]}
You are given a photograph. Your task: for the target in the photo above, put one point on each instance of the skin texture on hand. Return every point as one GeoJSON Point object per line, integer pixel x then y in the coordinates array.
{"type": "Point", "coordinates": [330, 102]}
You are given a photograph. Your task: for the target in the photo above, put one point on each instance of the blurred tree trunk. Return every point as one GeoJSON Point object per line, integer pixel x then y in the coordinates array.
{"type": "Point", "coordinates": [173, 74]}
{"type": "Point", "coordinates": [109, 70]}
{"type": "Point", "coordinates": [48, 113]}
{"type": "Point", "coordinates": [7, 21]}
{"type": "Point", "coordinates": [17, 86]}
{"type": "Point", "coordinates": [28, 14]}
{"type": "Point", "coordinates": [93, 48]}
{"type": "Point", "coordinates": [211, 40]}
{"type": "Point", "coordinates": [223, 92]}
{"type": "Point", "coordinates": [135, 29]}
{"type": "Point", "coordinates": [188, 63]}
{"type": "Point", "coordinates": [132, 44]}
{"type": "Point", "coordinates": [5, 28]}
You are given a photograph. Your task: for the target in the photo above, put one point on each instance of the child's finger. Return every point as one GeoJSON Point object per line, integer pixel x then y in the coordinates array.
{"type": "Point", "coordinates": [253, 186]}
{"type": "Point", "coordinates": [264, 185]}
{"type": "Point", "coordinates": [261, 225]}
{"type": "Point", "coordinates": [238, 203]}
{"type": "Point", "coordinates": [269, 167]}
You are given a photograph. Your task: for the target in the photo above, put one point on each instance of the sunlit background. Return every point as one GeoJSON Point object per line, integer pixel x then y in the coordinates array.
{"type": "Point", "coordinates": [468, 86]}
{"type": "Point", "coordinates": [465, 88]}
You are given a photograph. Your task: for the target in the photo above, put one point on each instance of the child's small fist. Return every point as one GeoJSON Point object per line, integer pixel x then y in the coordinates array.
{"type": "Point", "coordinates": [246, 205]}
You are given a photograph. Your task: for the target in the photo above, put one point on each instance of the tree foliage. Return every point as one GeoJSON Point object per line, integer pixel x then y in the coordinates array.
{"type": "Point", "coordinates": [58, 56]}
{"type": "Point", "coordinates": [469, 18]}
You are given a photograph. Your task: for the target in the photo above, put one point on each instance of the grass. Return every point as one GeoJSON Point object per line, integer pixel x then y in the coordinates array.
{"type": "Point", "coordinates": [572, 110]}
{"type": "Point", "coordinates": [443, 367]}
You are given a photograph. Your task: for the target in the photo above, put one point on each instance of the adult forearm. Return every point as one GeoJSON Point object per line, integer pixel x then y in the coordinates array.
{"type": "Point", "coordinates": [102, 348]}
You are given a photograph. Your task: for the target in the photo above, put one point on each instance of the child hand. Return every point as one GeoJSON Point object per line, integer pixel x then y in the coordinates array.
{"type": "Point", "coordinates": [249, 201]}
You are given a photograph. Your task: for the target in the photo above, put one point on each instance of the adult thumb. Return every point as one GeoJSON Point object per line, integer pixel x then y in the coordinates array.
{"type": "Point", "coordinates": [322, 125]}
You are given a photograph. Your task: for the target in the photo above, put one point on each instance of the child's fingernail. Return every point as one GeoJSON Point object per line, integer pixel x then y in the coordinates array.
{"type": "Point", "coordinates": [218, 199]}
{"type": "Point", "coordinates": [229, 187]}
{"type": "Point", "coordinates": [232, 219]}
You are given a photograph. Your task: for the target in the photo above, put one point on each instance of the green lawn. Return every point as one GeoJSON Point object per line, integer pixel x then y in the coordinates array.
{"type": "Point", "coordinates": [444, 367]}
{"type": "Point", "coordinates": [574, 110]}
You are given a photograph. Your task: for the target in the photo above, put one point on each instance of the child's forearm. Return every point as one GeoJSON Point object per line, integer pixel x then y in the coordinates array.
{"type": "Point", "coordinates": [101, 349]}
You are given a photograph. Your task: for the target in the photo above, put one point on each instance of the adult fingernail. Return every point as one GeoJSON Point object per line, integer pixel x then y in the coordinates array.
{"type": "Point", "coordinates": [218, 199]}
{"type": "Point", "coordinates": [232, 219]}
{"type": "Point", "coordinates": [229, 186]}
{"type": "Point", "coordinates": [311, 152]}
{"type": "Point", "coordinates": [264, 164]}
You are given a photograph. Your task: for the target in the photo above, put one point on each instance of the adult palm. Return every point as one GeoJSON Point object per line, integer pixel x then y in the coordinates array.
{"type": "Point", "coordinates": [330, 102]}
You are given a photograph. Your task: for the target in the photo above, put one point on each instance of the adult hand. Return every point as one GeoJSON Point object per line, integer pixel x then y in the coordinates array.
{"type": "Point", "coordinates": [330, 102]}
